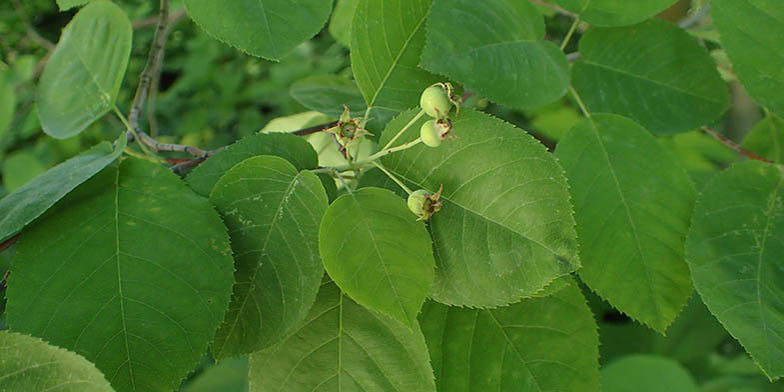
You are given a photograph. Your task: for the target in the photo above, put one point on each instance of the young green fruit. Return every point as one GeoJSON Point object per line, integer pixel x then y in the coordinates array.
{"type": "Point", "coordinates": [430, 134]}
{"type": "Point", "coordinates": [435, 101]}
{"type": "Point", "coordinates": [424, 204]}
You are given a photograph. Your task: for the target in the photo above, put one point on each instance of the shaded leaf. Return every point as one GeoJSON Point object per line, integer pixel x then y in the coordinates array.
{"type": "Point", "coordinates": [344, 347]}
{"type": "Point", "coordinates": [539, 344]}
{"type": "Point", "coordinates": [29, 364]}
{"type": "Point", "coordinates": [19, 168]}
{"type": "Point", "coordinates": [506, 228]}
{"type": "Point", "coordinates": [132, 270]}
{"type": "Point", "coordinates": [273, 214]}
{"type": "Point", "coordinates": [646, 373]}
{"type": "Point", "coordinates": [496, 48]}
{"type": "Point", "coordinates": [340, 22]}
{"type": "Point", "coordinates": [751, 32]}
{"type": "Point", "coordinates": [654, 73]}
{"type": "Point", "coordinates": [734, 251]}
{"type": "Point", "coordinates": [82, 77]}
{"type": "Point", "coordinates": [767, 139]}
{"type": "Point", "coordinates": [7, 104]}
{"type": "Point", "coordinates": [264, 28]}
{"type": "Point", "coordinates": [33, 199]}
{"type": "Point", "coordinates": [613, 12]}
{"type": "Point", "coordinates": [290, 147]}
{"type": "Point", "coordinates": [230, 375]}
{"type": "Point", "coordinates": [376, 251]}
{"type": "Point", "coordinates": [633, 203]}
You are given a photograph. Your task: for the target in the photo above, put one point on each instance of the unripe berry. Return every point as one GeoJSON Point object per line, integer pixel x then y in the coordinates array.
{"type": "Point", "coordinates": [417, 200]}
{"type": "Point", "coordinates": [435, 101]}
{"type": "Point", "coordinates": [430, 134]}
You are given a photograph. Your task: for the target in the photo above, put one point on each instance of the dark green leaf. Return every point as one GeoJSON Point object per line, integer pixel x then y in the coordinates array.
{"type": "Point", "coordinates": [132, 270]}
{"type": "Point", "coordinates": [506, 229]}
{"type": "Point", "coordinates": [30, 201]}
{"type": "Point", "coordinates": [68, 4]}
{"type": "Point", "coordinates": [734, 251]}
{"type": "Point", "coordinates": [653, 73]}
{"type": "Point", "coordinates": [496, 48]}
{"type": "Point", "coordinates": [264, 28]}
{"type": "Point", "coordinates": [633, 203]}
{"type": "Point", "coordinates": [539, 344]}
{"type": "Point", "coordinates": [19, 168]}
{"type": "Point", "coordinates": [646, 373]}
{"type": "Point", "coordinates": [230, 375]}
{"type": "Point", "coordinates": [344, 347]}
{"type": "Point", "coordinates": [82, 77]}
{"type": "Point", "coordinates": [614, 12]}
{"type": "Point", "coordinates": [340, 22]}
{"type": "Point", "coordinates": [273, 214]}
{"type": "Point", "coordinates": [376, 251]}
{"type": "Point", "coordinates": [767, 139]}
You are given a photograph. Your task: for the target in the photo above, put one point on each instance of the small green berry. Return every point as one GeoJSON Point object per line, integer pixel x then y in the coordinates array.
{"type": "Point", "coordinates": [435, 101]}
{"type": "Point", "coordinates": [417, 200]}
{"type": "Point", "coordinates": [430, 134]}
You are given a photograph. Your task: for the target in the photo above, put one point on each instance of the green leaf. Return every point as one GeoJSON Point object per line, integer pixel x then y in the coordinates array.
{"type": "Point", "coordinates": [19, 168]}
{"type": "Point", "coordinates": [633, 203]}
{"type": "Point", "coordinates": [290, 147]}
{"type": "Point", "coordinates": [7, 104]}
{"type": "Point", "coordinates": [29, 364]}
{"type": "Point", "coordinates": [230, 375]}
{"type": "Point", "coordinates": [539, 344]}
{"type": "Point", "coordinates": [654, 73]}
{"type": "Point", "coordinates": [767, 139]}
{"type": "Point", "coordinates": [263, 28]}
{"type": "Point", "coordinates": [344, 347]}
{"type": "Point", "coordinates": [614, 12]}
{"type": "Point", "coordinates": [273, 214]}
{"type": "Point", "coordinates": [374, 248]}
{"type": "Point", "coordinates": [82, 77]}
{"type": "Point", "coordinates": [340, 22]}
{"type": "Point", "coordinates": [387, 37]}
{"type": "Point", "coordinates": [68, 4]}
{"type": "Point", "coordinates": [751, 32]}
{"type": "Point", "coordinates": [502, 55]}
{"type": "Point", "coordinates": [646, 373]}
{"type": "Point", "coordinates": [734, 251]}
{"type": "Point", "coordinates": [132, 270]}
{"type": "Point", "coordinates": [33, 199]}
{"type": "Point", "coordinates": [506, 228]}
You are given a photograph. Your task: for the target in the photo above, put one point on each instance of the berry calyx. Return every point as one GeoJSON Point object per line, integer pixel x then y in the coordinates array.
{"type": "Point", "coordinates": [424, 204]}
{"type": "Point", "coordinates": [435, 101]}
{"type": "Point", "coordinates": [434, 132]}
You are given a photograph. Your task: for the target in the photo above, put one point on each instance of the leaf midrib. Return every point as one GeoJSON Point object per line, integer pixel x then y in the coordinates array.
{"type": "Point", "coordinates": [119, 275]}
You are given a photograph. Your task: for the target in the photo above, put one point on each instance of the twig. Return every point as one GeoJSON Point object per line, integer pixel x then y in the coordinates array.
{"type": "Point", "coordinates": [555, 8]}
{"type": "Point", "coordinates": [695, 18]}
{"type": "Point", "coordinates": [34, 36]}
{"type": "Point", "coordinates": [316, 129]}
{"type": "Point", "coordinates": [734, 146]}
{"type": "Point", "coordinates": [153, 20]}
{"type": "Point", "coordinates": [4, 281]}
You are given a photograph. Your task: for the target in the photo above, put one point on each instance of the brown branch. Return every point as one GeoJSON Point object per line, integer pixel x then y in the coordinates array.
{"type": "Point", "coordinates": [8, 243]}
{"type": "Point", "coordinates": [153, 20]}
{"type": "Point", "coordinates": [315, 129]}
{"type": "Point", "coordinates": [732, 145]}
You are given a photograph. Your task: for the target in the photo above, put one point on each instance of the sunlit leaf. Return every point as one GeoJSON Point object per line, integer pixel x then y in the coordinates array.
{"type": "Point", "coordinates": [613, 12]}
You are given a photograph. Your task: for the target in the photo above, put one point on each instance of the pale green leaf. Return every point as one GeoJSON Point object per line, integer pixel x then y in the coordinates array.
{"type": "Point", "coordinates": [19, 168]}
{"type": "Point", "coordinates": [7, 104]}
{"type": "Point", "coordinates": [132, 270]}
{"type": "Point", "coordinates": [264, 28]}
{"type": "Point", "coordinates": [734, 251]}
{"type": "Point", "coordinates": [229, 375]}
{"type": "Point", "coordinates": [633, 203]}
{"type": "Point", "coordinates": [654, 73]}
{"type": "Point", "coordinates": [68, 4]}
{"type": "Point", "coordinates": [374, 248]}
{"type": "Point", "coordinates": [29, 364]}
{"type": "Point", "coordinates": [290, 147]}
{"type": "Point", "coordinates": [82, 77]}
{"type": "Point", "coordinates": [387, 37]}
{"type": "Point", "coordinates": [614, 12]}
{"type": "Point", "coordinates": [343, 347]}
{"type": "Point", "coordinates": [540, 344]}
{"type": "Point", "coordinates": [751, 32]}
{"type": "Point", "coordinates": [506, 229]}
{"type": "Point", "coordinates": [767, 139]}
{"type": "Point", "coordinates": [273, 214]}
{"type": "Point", "coordinates": [340, 22]}
{"type": "Point", "coordinates": [30, 201]}
{"type": "Point", "coordinates": [496, 49]}
{"type": "Point", "coordinates": [646, 373]}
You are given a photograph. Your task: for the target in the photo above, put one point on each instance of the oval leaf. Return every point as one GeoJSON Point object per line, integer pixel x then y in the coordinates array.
{"type": "Point", "coordinates": [506, 228]}
{"type": "Point", "coordinates": [614, 12]}
{"type": "Point", "coordinates": [751, 32]}
{"type": "Point", "coordinates": [654, 71]}
{"type": "Point", "coordinates": [499, 51]}
{"type": "Point", "coordinates": [109, 272]}
{"type": "Point", "coordinates": [273, 214]}
{"type": "Point", "coordinates": [646, 373]}
{"type": "Point", "coordinates": [633, 203]}
{"type": "Point", "coordinates": [540, 344]}
{"type": "Point", "coordinates": [264, 28]}
{"type": "Point", "coordinates": [33, 199]}
{"type": "Point", "coordinates": [289, 147]}
{"type": "Point", "coordinates": [386, 43]}
{"type": "Point", "coordinates": [734, 251]}
{"type": "Point", "coordinates": [376, 251]}
{"type": "Point", "coordinates": [767, 139]}
{"type": "Point", "coordinates": [344, 347]}
{"type": "Point", "coordinates": [82, 78]}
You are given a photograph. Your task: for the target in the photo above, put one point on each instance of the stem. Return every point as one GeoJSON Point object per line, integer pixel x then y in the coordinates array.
{"type": "Point", "coordinates": [131, 131]}
{"type": "Point", "coordinates": [570, 33]}
{"type": "Point", "coordinates": [316, 129]}
{"type": "Point", "coordinates": [734, 146]}
{"type": "Point", "coordinates": [152, 67]}
{"type": "Point", "coordinates": [695, 18]}
{"type": "Point", "coordinates": [580, 102]}
{"type": "Point", "coordinates": [405, 128]}
{"type": "Point", "coordinates": [4, 280]}
{"type": "Point", "coordinates": [392, 176]}
{"type": "Point", "coordinates": [369, 160]}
